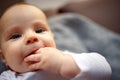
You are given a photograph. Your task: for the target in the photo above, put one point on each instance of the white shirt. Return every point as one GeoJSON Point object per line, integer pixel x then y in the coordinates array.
{"type": "Point", "coordinates": [93, 66]}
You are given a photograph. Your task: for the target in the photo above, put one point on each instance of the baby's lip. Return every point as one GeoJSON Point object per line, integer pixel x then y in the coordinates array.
{"type": "Point", "coordinates": [32, 51]}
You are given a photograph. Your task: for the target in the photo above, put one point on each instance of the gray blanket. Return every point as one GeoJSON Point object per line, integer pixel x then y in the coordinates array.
{"type": "Point", "coordinates": [79, 34]}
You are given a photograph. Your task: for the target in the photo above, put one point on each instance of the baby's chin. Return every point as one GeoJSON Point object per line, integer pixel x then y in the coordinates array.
{"type": "Point", "coordinates": [21, 70]}
{"type": "Point", "coordinates": [25, 71]}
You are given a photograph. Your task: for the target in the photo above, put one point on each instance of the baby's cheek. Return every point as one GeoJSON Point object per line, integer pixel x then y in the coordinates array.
{"type": "Point", "coordinates": [50, 43]}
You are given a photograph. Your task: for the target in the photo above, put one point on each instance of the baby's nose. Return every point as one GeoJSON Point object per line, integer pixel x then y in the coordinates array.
{"type": "Point", "coordinates": [32, 39]}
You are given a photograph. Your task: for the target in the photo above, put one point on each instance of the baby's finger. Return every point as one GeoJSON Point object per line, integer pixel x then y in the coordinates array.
{"type": "Point", "coordinates": [35, 66]}
{"type": "Point", "coordinates": [34, 57]}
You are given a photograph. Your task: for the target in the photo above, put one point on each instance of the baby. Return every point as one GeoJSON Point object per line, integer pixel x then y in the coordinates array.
{"type": "Point", "coordinates": [28, 49]}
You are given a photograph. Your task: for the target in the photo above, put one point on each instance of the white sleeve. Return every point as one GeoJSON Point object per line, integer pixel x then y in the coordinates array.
{"type": "Point", "coordinates": [7, 75]}
{"type": "Point", "coordinates": [93, 66]}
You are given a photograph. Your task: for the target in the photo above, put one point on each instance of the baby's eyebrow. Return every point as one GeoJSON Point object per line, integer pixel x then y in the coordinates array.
{"type": "Point", "coordinates": [41, 24]}
{"type": "Point", "coordinates": [13, 29]}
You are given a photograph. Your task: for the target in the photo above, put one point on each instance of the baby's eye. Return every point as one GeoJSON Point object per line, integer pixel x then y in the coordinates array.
{"type": "Point", "coordinates": [15, 36]}
{"type": "Point", "coordinates": [39, 30]}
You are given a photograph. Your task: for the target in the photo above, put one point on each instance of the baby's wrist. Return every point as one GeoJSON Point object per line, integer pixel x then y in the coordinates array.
{"type": "Point", "coordinates": [68, 68]}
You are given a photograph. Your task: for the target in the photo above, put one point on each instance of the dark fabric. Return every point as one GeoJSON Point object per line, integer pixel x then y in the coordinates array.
{"type": "Point", "coordinates": [2, 66]}
{"type": "Point", "coordinates": [77, 33]}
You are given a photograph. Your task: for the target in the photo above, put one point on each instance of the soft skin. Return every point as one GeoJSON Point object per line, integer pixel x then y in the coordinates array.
{"type": "Point", "coordinates": [27, 43]}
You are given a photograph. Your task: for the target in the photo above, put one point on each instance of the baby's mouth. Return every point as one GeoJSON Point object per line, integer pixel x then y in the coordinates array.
{"type": "Point", "coordinates": [32, 52]}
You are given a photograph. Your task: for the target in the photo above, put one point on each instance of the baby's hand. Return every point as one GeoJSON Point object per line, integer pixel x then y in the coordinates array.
{"type": "Point", "coordinates": [46, 59]}
{"type": "Point", "coordinates": [53, 60]}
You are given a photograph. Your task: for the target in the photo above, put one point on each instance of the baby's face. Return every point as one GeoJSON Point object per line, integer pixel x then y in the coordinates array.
{"type": "Point", "coordinates": [24, 30]}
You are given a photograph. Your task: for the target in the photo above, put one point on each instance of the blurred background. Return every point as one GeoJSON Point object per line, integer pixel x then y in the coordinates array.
{"type": "Point", "coordinates": [106, 13]}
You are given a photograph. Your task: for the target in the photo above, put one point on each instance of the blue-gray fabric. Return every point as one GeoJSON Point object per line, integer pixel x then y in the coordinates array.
{"type": "Point", "coordinates": [77, 33]}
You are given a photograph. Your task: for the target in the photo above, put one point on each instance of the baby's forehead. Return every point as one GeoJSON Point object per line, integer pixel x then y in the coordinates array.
{"type": "Point", "coordinates": [22, 8]}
